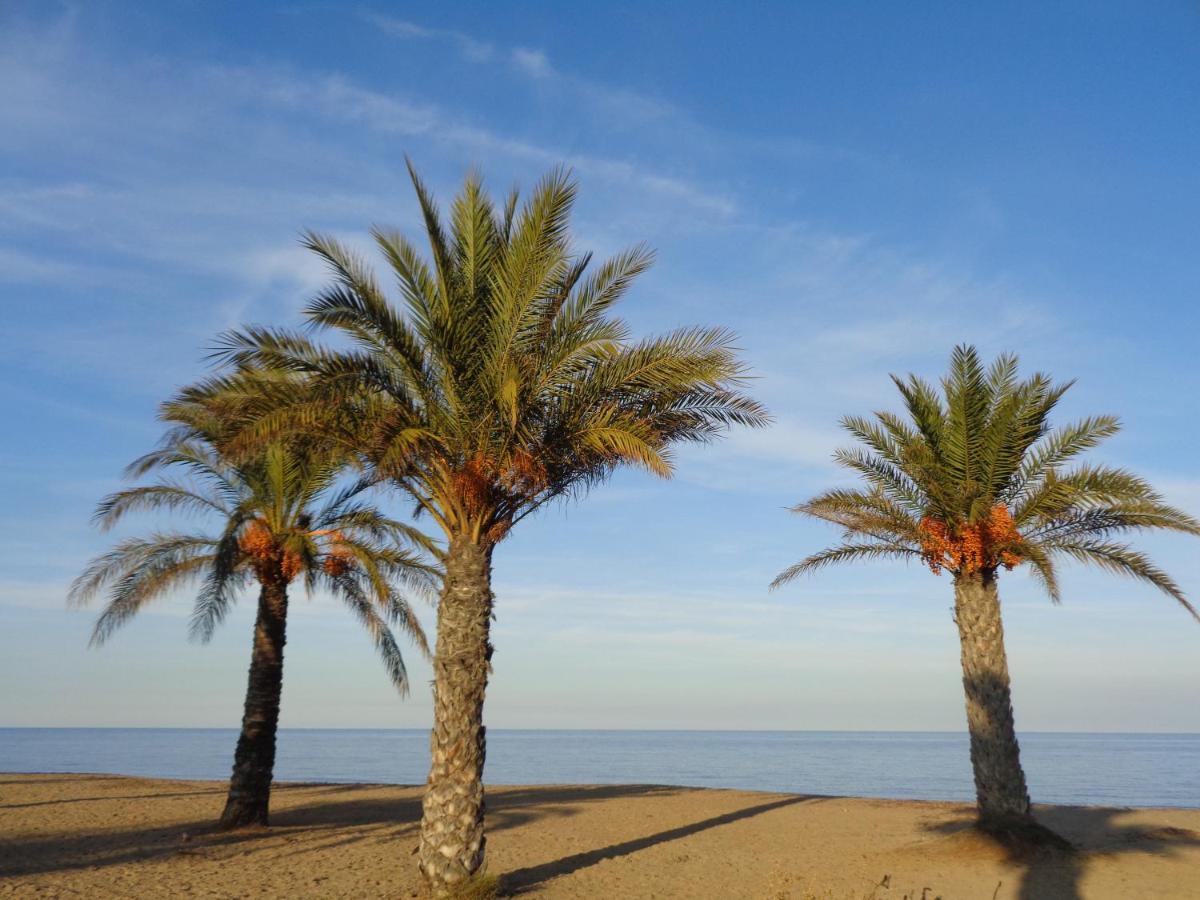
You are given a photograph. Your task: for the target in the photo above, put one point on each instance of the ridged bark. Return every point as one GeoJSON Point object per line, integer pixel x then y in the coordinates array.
{"type": "Point", "coordinates": [452, 839]}
{"type": "Point", "coordinates": [1000, 788]}
{"type": "Point", "coordinates": [254, 761]}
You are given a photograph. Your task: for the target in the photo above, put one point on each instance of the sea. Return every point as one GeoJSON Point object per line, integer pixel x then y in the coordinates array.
{"type": "Point", "coordinates": [1073, 769]}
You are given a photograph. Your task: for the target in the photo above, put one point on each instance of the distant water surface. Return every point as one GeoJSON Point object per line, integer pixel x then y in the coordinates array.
{"type": "Point", "coordinates": [1088, 769]}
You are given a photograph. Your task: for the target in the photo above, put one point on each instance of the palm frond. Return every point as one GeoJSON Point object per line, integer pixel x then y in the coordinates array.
{"type": "Point", "coordinates": [223, 581]}
{"type": "Point", "coordinates": [1044, 458]}
{"type": "Point", "coordinates": [356, 599]}
{"type": "Point", "coordinates": [1121, 559]}
{"type": "Point", "coordinates": [864, 513]}
{"type": "Point", "coordinates": [137, 571]}
{"type": "Point", "coordinates": [841, 554]}
{"type": "Point", "coordinates": [168, 496]}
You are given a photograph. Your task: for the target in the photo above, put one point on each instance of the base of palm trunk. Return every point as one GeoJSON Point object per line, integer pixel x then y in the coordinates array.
{"type": "Point", "coordinates": [243, 815]}
{"type": "Point", "coordinates": [248, 802]}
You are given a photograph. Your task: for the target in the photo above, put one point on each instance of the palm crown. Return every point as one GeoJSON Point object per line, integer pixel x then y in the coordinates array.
{"type": "Point", "coordinates": [506, 381]}
{"type": "Point", "coordinates": [282, 513]}
{"type": "Point", "coordinates": [975, 478]}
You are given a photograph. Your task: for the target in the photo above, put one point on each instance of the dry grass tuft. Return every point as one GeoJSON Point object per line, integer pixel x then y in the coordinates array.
{"type": "Point", "coordinates": [480, 887]}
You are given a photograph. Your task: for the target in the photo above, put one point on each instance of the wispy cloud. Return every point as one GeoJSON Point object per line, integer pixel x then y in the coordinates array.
{"type": "Point", "coordinates": [523, 60]}
{"type": "Point", "coordinates": [66, 100]}
{"type": "Point", "coordinates": [533, 63]}
{"type": "Point", "coordinates": [335, 97]}
{"type": "Point", "coordinates": [614, 105]}
{"type": "Point", "coordinates": [471, 48]}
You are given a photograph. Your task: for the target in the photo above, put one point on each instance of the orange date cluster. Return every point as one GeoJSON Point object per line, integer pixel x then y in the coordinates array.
{"type": "Point", "coordinates": [992, 541]}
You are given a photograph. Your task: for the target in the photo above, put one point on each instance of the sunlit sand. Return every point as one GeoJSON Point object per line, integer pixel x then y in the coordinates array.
{"type": "Point", "coordinates": [69, 835]}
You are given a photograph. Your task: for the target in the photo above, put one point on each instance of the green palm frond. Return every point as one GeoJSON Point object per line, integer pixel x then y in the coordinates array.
{"type": "Point", "coordinates": [864, 513]}
{"type": "Point", "coordinates": [840, 554]}
{"type": "Point", "coordinates": [171, 497]}
{"type": "Point", "coordinates": [883, 476]}
{"type": "Point", "coordinates": [1016, 422]}
{"type": "Point", "coordinates": [1118, 518]}
{"type": "Point", "coordinates": [224, 579]}
{"type": "Point", "coordinates": [968, 402]}
{"type": "Point", "coordinates": [374, 524]}
{"type": "Point", "coordinates": [137, 571]}
{"type": "Point", "coordinates": [926, 411]}
{"type": "Point", "coordinates": [1121, 559]}
{"type": "Point", "coordinates": [442, 260]}
{"type": "Point", "coordinates": [357, 600]}
{"type": "Point", "coordinates": [1041, 565]}
{"type": "Point", "coordinates": [1044, 458]}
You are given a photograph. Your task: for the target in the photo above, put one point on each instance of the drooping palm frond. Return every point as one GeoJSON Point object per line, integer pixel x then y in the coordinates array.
{"type": "Point", "coordinates": [1120, 559]}
{"type": "Point", "coordinates": [168, 496]}
{"type": "Point", "coordinates": [984, 452]}
{"type": "Point", "coordinates": [137, 571]}
{"type": "Point", "coordinates": [871, 514]}
{"type": "Point", "coordinates": [840, 554]}
{"type": "Point", "coordinates": [225, 578]}
{"type": "Point", "coordinates": [358, 600]}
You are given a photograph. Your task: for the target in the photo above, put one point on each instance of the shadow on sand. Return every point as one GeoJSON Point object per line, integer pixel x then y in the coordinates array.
{"type": "Point", "coordinates": [104, 797]}
{"type": "Point", "coordinates": [315, 817]}
{"type": "Point", "coordinates": [521, 880]}
{"type": "Point", "coordinates": [319, 821]}
{"type": "Point", "coordinates": [1094, 832]}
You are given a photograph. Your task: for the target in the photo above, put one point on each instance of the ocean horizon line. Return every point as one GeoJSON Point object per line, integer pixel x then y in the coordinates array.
{"type": "Point", "coordinates": [375, 728]}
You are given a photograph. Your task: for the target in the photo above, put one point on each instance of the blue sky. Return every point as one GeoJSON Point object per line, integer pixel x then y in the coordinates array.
{"type": "Point", "coordinates": [854, 188]}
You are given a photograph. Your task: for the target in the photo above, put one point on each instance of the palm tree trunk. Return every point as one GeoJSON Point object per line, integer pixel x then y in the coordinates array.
{"type": "Point", "coordinates": [1003, 797]}
{"type": "Point", "coordinates": [452, 840]}
{"type": "Point", "coordinates": [254, 760]}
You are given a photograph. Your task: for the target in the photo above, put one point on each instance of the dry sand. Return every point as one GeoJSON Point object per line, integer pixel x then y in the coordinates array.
{"type": "Point", "coordinates": [103, 836]}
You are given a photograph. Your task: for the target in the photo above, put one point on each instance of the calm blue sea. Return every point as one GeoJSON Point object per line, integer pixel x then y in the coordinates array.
{"type": "Point", "coordinates": [1091, 769]}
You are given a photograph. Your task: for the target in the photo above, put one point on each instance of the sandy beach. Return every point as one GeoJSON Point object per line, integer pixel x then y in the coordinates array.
{"type": "Point", "coordinates": [108, 836]}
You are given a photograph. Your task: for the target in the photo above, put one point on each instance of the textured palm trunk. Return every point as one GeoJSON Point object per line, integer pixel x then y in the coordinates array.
{"type": "Point", "coordinates": [254, 760]}
{"type": "Point", "coordinates": [995, 756]}
{"type": "Point", "coordinates": [452, 840]}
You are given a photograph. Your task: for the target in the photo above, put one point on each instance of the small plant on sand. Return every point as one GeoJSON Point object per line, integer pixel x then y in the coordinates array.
{"type": "Point", "coordinates": [972, 482]}
{"type": "Point", "coordinates": [480, 886]}
{"type": "Point", "coordinates": [277, 516]}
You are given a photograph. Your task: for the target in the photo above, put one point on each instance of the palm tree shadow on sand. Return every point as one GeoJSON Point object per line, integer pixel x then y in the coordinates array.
{"type": "Point", "coordinates": [328, 816]}
{"type": "Point", "coordinates": [1056, 873]}
{"type": "Point", "coordinates": [522, 880]}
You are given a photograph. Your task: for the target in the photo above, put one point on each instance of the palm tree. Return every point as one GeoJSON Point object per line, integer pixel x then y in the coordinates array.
{"type": "Point", "coordinates": [502, 383]}
{"type": "Point", "coordinates": [279, 515]}
{"type": "Point", "coordinates": [973, 482]}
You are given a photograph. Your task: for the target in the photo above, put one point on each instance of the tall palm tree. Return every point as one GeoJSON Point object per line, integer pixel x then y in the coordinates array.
{"type": "Point", "coordinates": [975, 481]}
{"type": "Point", "coordinates": [501, 383]}
{"type": "Point", "coordinates": [282, 514]}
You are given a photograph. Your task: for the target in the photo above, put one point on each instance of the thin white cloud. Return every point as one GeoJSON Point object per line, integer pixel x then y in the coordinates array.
{"type": "Point", "coordinates": [336, 98]}
{"type": "Point", "coordinates": [616, 104]}
{"type": "Point", "coordinates": [472, 49]}
{"type": "Point", "coordinates": [533, 63]}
